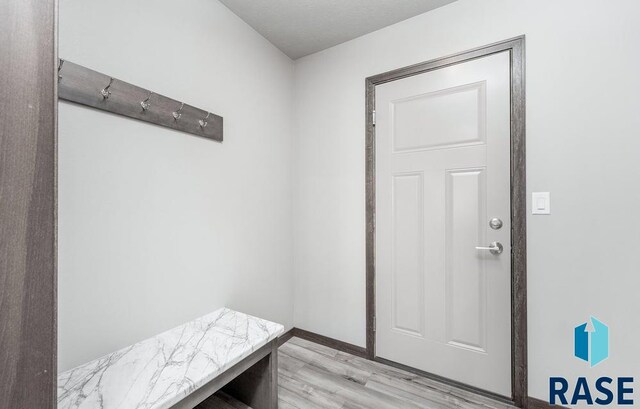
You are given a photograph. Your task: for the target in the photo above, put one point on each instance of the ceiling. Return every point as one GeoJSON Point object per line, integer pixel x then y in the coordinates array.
{"type": "Point", "coordinates": [303, 27]}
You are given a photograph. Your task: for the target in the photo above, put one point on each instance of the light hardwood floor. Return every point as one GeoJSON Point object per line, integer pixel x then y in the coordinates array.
{"type": "Point", "coordinates": [312, 376]}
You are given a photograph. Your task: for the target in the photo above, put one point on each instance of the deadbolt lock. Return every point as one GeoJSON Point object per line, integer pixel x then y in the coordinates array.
{"type": "Point", "coordinates": [495, 223]}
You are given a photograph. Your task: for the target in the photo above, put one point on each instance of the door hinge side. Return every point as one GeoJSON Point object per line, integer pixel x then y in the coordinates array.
{"type": "Point", "coordinates": [373, 117]}
{"type": "Point", "coordinates": [374, 323]}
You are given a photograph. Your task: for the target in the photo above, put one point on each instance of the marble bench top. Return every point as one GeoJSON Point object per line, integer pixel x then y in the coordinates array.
{"type": "Point", "coordinates": [158, 372]}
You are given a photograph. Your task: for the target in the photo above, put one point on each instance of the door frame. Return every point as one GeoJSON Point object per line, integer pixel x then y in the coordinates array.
{"type": "Point", "coordinates": [516, 48]}
{"type": "Point", "coordinates": [28, 146]}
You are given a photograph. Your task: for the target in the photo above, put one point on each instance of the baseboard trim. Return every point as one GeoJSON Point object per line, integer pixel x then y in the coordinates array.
{"type": "Point", "coordinates": [534, 403]}
{"type": "Point", "coordinates": [322, 340]}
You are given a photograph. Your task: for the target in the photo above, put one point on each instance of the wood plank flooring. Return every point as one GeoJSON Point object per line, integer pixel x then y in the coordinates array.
{"type": "Point", "coordinates": [313, 376]}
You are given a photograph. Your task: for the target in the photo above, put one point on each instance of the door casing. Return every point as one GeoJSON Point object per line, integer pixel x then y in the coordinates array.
{"type": "Point", "coordinates": [28, 194]}
{"type": "Point", "coordinates": [516, 48]}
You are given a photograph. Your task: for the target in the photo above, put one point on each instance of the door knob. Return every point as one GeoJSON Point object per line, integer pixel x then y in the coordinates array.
{"type": "Point", "coordinates": [495, 248]}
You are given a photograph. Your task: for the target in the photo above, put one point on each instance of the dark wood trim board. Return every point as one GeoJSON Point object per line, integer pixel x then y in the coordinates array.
{"type": "Point", "coordinates": [326, 341]}
{"type": "Point", "coordinates": [516, 47]}
{"type": "Point", "coordinates": [84, 86]}
{"type": "Point", "coordinates": [540, 404]}
{"type": "Point", "coordinates": [28, 124]}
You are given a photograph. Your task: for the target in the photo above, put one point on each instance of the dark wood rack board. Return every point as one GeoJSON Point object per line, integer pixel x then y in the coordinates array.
{"type": "Point", "coordinates": [85, 86]}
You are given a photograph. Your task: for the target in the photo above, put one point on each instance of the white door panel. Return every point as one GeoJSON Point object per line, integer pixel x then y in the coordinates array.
{"type": "Point", "coordinates": [442, 172]}
{"type": "Point", "coordinates": [439, 119]}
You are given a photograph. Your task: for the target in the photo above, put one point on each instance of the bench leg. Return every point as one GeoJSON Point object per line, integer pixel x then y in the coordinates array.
{"type": "Point", "coordinates": [257, 387]}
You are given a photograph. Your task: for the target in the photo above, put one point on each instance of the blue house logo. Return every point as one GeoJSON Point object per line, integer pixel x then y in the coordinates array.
{"type": "Point", "coordinates": [591, 343]}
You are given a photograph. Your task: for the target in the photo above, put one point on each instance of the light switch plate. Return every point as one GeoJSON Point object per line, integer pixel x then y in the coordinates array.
{"type": "Point", "coordinates": [540, 203]}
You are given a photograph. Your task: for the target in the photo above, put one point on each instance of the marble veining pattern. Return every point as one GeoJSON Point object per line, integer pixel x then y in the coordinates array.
{"type": "Point", "coordinates": [158, 372]}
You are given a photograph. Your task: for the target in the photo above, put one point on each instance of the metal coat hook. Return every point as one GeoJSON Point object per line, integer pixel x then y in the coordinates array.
{"type": "Point", "coordinates": [105, 91]}
{"type": "Point", "coordinates": [146, 104]}
{"type": "Point", "coordinates": [60, 68]}
{"type": "Point", "coordinates": [84, 86]}
{"type": "Point", "coordinates": [177, 114]}
{"type": "Point", "coordinates": [203, 122]}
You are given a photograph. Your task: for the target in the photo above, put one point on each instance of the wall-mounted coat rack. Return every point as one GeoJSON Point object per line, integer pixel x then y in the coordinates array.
{"type": "Point", "coordinates": [87, 87]}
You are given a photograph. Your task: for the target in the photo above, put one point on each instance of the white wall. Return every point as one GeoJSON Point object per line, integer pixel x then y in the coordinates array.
{"type": "Point", "coordinates": [583, 146]}
{"type": "Point", "coordinates": [158, 227]}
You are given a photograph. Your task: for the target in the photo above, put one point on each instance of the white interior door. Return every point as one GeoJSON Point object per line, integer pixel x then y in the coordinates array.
{"type": "Point", "coordinates": [442, 174]}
